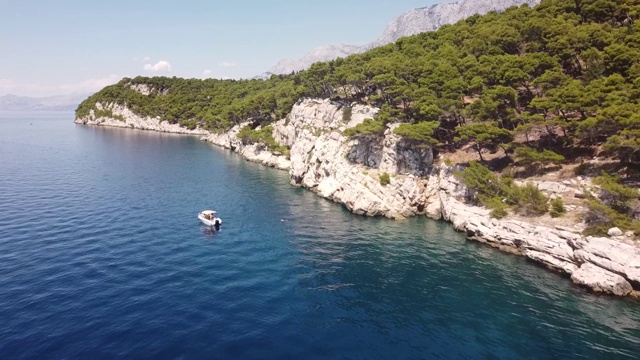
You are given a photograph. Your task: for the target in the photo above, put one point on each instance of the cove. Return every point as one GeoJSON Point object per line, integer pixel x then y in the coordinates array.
{"type": "Point", "coordinates": [101, 256]}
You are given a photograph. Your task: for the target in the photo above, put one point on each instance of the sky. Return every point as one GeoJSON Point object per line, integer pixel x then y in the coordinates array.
{"type": "Point", "coordinates": [72, 46]}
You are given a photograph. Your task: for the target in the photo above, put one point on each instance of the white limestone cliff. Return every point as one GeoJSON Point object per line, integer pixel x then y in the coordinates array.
{"type": "Point", "coordinates": [602, 264]}
{"type": "Point", "coordinates": [125, 118]}
{"type": "Point", "coordinates": [347, 171]}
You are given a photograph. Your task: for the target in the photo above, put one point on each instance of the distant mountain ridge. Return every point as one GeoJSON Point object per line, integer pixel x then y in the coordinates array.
{"type": "Point", "coordinates": [412, 22]}
{"type": "Point", "coordinates": [431, 18]}
{"type": "Point", "coordinates": [321, 53]}
{"type": "Point", "coordinates": [49, 103]}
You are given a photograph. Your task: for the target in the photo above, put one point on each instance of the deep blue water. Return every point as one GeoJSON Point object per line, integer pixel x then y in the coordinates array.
{"type": "Point", "coordinates": [101, 256]}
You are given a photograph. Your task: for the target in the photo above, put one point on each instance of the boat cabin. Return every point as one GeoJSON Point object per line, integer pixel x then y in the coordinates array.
{"type": "Point", "coordinates": [209, 214]}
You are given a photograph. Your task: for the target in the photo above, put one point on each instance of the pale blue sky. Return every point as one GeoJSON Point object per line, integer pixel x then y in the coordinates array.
{"type": "Point", "coordinates": [65, 46]}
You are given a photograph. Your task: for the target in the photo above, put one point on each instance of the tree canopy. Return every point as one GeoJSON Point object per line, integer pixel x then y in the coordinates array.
{"type": "Point", "coordinates": [565, 74]}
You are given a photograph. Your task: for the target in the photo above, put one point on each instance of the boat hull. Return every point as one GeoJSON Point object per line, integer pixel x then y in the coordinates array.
{"type": "Point", "coordinates": [213, 222]}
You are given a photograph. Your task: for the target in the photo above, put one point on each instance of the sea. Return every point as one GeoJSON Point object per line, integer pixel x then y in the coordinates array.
{"type": "Point", "coordinates": [102, 257]}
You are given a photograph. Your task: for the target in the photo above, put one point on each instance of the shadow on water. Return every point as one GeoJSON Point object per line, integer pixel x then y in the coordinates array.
{"type": "Point", "coordinates": [211, 231]}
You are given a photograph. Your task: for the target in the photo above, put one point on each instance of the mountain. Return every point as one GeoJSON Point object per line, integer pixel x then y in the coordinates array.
{"type": "Point", "coordinates": [431, 18]}
{"type": "Point", "coordinates": [49, 103]}
{"type": "Point", "coordinates": [410, 23]}
{"type": "Point", "coordinates": [322, 53]}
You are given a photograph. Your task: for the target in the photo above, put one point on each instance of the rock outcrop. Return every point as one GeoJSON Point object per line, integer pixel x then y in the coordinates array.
{"type": "Point", "coordinates": [348, 171]}
{"type": "Point", "coordinates": [602, 264]}
{"type": "Point", "coordinates": [121, 116]}
{"type": "Point", "coordinates": [254, 152]}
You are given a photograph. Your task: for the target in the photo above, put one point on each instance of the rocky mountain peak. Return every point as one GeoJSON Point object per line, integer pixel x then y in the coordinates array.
{"type": "Point", "coordinates": [431, 18]}
{"type": "Point", "coordinates": [321, 53]}
{"type": "Point", "coordinates": [410, 23]}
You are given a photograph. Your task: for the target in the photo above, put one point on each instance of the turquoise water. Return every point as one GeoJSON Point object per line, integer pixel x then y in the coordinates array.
{"type": "Point", "coordinates": [101, 256]}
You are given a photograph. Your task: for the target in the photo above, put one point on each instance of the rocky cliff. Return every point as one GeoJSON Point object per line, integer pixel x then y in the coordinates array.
{"type": "Point", "coordinates": [604, 265]}
{"type": "Point", "coordinates": [348, 171]}
{"type": "Point", "coordinates": [120, 116]}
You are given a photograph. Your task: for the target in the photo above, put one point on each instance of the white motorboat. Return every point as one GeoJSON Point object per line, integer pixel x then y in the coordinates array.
{"type": "Point", "coordinates": [210, 218]}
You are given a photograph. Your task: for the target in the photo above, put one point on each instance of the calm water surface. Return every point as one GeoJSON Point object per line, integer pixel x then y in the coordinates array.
{"type": "Point", "coordinates": [101, 256]}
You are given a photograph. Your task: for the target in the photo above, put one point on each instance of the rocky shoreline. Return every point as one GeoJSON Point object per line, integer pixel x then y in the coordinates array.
{"type": "Point", "coordinates": [347, 171]}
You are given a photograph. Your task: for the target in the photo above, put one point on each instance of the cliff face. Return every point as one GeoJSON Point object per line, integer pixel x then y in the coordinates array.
{"type": "Point", "coordinates": [604, 265]}
{"type": "Point", "coordinates": [120, 116]}
{"type": "Point", "coordinates": [343, 170]}
{"type": "Point", "coordinates": [348, 171]}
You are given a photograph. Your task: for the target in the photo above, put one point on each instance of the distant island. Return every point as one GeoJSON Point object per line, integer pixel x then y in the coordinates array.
{"type": "Point", "coordinates": [48, 103]}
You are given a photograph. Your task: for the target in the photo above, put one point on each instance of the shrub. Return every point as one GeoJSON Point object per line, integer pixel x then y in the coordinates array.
{"type": "Point", "coordinates": [262, 136]}
{"type": "Point", "coordinates": [528, 200]}
{"type": "Point", "coordinates": [619, 197]}
{"type": "Point", "coordinates": [497, 206]}
{"type": "Point", "coordinates": [422, 131]}
{"type": "Point", "coordinates": [481, 180]}
{"type": "Point", "coordinates": [385, 179]}
{"type": "Point", "coordinates": [108, 113]}
{"type": "Point", "coordinates": [189, 124]}
{"type": "Point", "coordinates": [615, 208]}
{"type": "Point", "coordinates": [531, 157]}
{"type": "Point", "coordinates": [346, 114]}
{"type": "Point", "coordinates": [600, 218]}
{"type": "Point", "coordinates": [557, 208]}
{"type": "Point", "coordinates": [487, 187]}
{"type": "Point", "coordinates": [368, 126]}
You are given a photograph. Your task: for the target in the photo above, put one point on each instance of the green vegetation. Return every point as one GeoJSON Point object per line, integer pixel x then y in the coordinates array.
{"type": "Point", "coordinates": [385, 179]}
{"type": "Point", "coordinates": [421, 131]}
{"type": "Point", "coordinates": [346, 114]}
{"type": "Point", "coordinates": [108, 113]}
{"type": "Point", "coordinates": [216, 105]}
{"type": "Point", "coordinates": [498, 208]}
{"type": "Point", "coordinates": [501, 193]}
{"type": "Point", "coordinates": [559, 78]}
{"type": "Point", "coordinates": [262, 136]}
{"type": "Point", "coordinates": [558, 81]}
{"type": "Point", "coordinates": [529, 156]}
{"type": "Point", "coordinates": [484, 135]}
{"type": "Point", "coordinates": [557, 208]}
{"type": "Point", "coordinates": [190, 124]}
{"type": "Point", "coordinates": [368, 126]}
{"type": "Point", "coordinates": [617, 206]}
{"type": "Point", "coordinates": [622, 199]}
